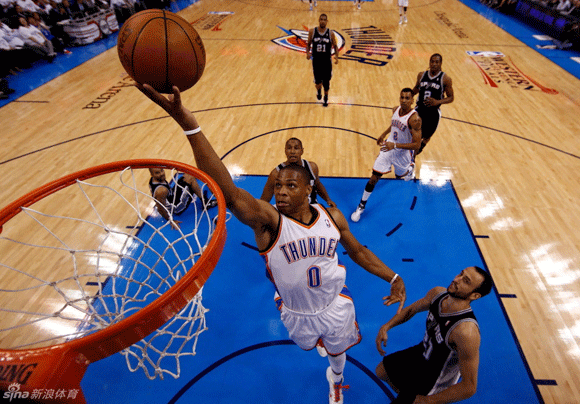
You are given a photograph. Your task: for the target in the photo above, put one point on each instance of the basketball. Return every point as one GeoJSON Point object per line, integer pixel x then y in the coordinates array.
{"type": "Point", "coordinates": [160, 48]}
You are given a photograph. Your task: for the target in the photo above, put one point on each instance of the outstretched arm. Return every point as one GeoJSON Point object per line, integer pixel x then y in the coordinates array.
{"type": "Point", "coordinates": [253, 212]}
{"type": "Point", "coordinates": [369, 261]}
{"type": "Point", "coordinates": [404, 315]}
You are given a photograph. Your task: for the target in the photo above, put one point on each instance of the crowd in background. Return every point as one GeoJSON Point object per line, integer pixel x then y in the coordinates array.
{"type": "Point", "coordinates": [570, 36]}
{"type": "Point", "coordinates": [31, 30]}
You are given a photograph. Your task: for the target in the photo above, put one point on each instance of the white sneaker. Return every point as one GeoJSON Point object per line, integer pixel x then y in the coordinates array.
{"type": "Point", "coordinates": [355, 217]}
{"type": "Point", "coordinates": [404, 19]}
{"type": "Point", "coordinates": [315, 3]}
{"type": "Point", "coordinates": [358, 6]}
{"type": "Point", "coordinates": [321, 350]}
{"type": "Point", "coordinates": [311, 7]}
{"type": "Point", "coordinates": [335, 395]}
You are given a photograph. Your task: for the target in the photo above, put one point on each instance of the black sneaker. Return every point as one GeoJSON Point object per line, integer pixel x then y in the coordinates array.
{"type": "Point", "coordinates": [325, 103]}
{"type": "Point", "coordinates": [319, 95]}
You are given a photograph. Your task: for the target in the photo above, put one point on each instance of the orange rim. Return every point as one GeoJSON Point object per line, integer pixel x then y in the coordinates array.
{"type": "Point", "coordinates": [67, 360]}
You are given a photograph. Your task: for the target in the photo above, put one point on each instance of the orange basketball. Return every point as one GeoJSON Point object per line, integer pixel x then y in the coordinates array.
{"type": "Point", "coordinates": [160, 48]}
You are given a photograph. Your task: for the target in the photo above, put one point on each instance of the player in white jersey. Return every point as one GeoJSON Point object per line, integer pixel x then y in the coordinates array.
{"type": "Point", "coordinates": [297, 239]}
{"type": "Point", "coordinates": [314, 301]}
{"type": "Point", "coordinates": [398, 151]}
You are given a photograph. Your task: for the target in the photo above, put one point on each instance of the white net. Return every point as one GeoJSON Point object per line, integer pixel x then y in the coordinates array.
{"type": "Point", "coordinates": [92, 254]}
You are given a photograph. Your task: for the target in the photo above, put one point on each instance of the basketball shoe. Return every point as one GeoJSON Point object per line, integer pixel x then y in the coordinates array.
{"type": "Point", "coordinates": [325, 103]}
{"type": "Point", "coordinates": [355, 217]}
{"type": "Point", "coordinates": [319, 94]}
{"type": "Point", "coordinates": [335, 395]}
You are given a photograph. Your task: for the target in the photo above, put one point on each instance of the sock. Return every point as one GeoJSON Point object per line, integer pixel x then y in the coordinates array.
{"type": "Point", "coordinates": [337, 365]}
{"type": "Point", "coordinates": [366, 194]}
{"type": "Point", "coordinates": [364, 199]}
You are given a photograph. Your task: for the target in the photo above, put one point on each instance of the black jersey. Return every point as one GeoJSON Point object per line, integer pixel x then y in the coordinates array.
{"type": "Point", "coordinates": [430, 87]}
{"type": "Point", "coordinates": [321, 45]}
{"type": "Point", "coordinates": [154, 185]}
{"type": "Point", "coordinates": [442, 364]}
{"type": "Point", "coordinates": [179, 197]}
{"type": "Point", "coordinates": [305, 164]}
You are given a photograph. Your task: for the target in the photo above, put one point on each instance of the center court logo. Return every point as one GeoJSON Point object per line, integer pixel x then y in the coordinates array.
{"type": "Point", "coordinates": [296, 39]}
{"type": "Point", "coordinates": [365, 42]}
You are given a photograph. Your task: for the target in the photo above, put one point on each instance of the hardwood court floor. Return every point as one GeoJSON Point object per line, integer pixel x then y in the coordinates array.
{"type": "Point", "coordinates": [507, 142]}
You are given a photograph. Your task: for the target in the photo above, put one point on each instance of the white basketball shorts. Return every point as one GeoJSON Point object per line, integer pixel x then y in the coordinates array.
{"type": "Point", "coordinates": [336, 325]}
{"type": "Point", "coordinates": [401, 159]}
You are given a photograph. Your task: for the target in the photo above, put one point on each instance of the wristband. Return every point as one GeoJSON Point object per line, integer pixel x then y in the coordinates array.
{"type": "Point", "coordinates": [192, 132]}
{"type": "Point", "coordinates": [394, 279]}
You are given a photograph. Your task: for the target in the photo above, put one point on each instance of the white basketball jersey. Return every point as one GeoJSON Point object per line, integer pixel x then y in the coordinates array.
{"type": "Point", "coordinates": [303, 263]}
{"type": "Point", "coordinates": [400, 132]}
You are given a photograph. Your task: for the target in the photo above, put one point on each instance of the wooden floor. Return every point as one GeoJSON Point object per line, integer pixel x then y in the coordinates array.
{"type": "Point", "coordinates": [510, 149]}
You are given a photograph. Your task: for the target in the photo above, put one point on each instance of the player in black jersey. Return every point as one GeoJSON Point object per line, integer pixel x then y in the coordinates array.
{"type": "Point", "coordinates": [429, 372]}
{"type": "Point", "coordinates": [435, 88]}
{"type": "Point", "coordinates": [321, 42]}
{"type": "Point", "coordinates": [294, 151]}
{"type": "Point", "coordinates": [175, 197]}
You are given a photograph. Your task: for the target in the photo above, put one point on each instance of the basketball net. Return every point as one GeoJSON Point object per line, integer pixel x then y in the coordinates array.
{"type": "Point", "coordinates": [89, 268]}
